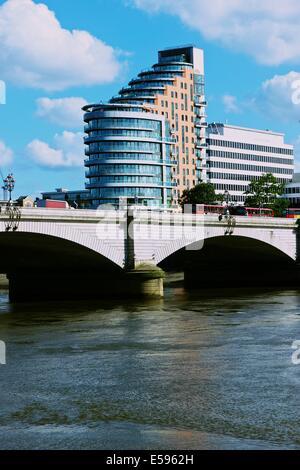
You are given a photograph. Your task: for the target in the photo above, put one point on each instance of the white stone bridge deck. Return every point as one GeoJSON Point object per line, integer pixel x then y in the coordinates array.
{"type": "Point", "coordinates": [128, 241]}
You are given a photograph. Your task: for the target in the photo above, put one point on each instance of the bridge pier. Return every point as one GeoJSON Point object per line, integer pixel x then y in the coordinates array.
{"type": "Point", "coordinates": [40, 286]}
{"type": "Point", "coordinates": [146, 280]}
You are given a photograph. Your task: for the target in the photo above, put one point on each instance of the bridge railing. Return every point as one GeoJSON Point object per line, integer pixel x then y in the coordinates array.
{"type": "Point", "coordinates": [142, 216]}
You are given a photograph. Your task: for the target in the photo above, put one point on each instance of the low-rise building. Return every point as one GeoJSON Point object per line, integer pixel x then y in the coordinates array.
{"type": "Point", "coordinates": [77, 199]}
{"type": "Point", "coordinates": [25, 201]}
{"type": "Point", "coordinates": [292, 191]}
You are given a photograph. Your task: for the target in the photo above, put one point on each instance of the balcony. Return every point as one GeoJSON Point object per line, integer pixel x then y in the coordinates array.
{"type": "Point", "coordinates": [201, 144]}
{"type": "Point", "coordinates": [199, 101]}
{"type": "Point", "coordinates": [152, 160]}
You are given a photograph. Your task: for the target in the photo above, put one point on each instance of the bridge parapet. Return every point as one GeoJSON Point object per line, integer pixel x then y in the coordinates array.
{"type": "Point", "coordinates": [153, 217]}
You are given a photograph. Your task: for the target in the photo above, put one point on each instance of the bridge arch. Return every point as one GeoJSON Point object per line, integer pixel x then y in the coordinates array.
{"type": "Point", "coordinates": [234, 261]}
{"type": "Point", "coordinates": [275, 239]}
{"type": "Point", "coordinates": [56, 266]}
{"type": "Point", "coordinates": [85, 237]}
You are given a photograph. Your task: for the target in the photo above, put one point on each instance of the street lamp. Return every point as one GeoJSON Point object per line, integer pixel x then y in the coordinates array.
{"type": "Point", "coordinates": [227, 197]}
{"type": "Point", "coordinates": [9, 184]}
{"type": "Point", "coordinates": [4, 191]}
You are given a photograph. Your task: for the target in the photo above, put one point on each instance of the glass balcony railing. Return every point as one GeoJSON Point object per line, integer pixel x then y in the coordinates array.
{"type": "Point", "coordinates": [200, 123]}
{"type": "Point", "coordinates": [166, 68]}
{"type": "Point", "coordinates": [201, 143]}
{"type": "Point", "coordinates": [126, 136]}
{"type": "Point", "coordinates": [200, 100]}
{"type": "Point", "coordinates": [155, 160]}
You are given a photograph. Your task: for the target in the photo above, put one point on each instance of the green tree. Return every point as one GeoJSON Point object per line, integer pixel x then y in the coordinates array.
{"type": "Point", "coordinates": [203, 193]}
{"type": "Point", "coordinates": [264, 192]}
{"type": "Point", "coordinates": [280, 206]}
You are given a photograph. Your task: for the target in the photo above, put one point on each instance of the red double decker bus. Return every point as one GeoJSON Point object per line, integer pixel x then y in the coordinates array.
{"type": "Point", "coordinates": [259, 212]}
{"type": "Point", "coordinates": [202, 209]}
{"type": "Point", "coordinates": [292, 213]}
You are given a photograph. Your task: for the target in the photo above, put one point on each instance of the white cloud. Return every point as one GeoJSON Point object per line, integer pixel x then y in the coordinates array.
{"type": "Point", "coordinates": [279, 97]}
{"type": "Point", "coordinates": [67, 151]}
{"type": "Point", "coordinates": [6, 154]}
{"type": "Point", "coordinates": [230, 104]}
{"type": "Point", "coordinates": [268, 30]}
{"type": "Point", "coordinates": [66, 112]}
{"type": "Point", "coordinates": [37, 52]}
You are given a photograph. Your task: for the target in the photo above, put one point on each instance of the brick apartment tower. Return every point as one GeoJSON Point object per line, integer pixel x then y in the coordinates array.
{"type": "Point", "coordinates": [175, 89]}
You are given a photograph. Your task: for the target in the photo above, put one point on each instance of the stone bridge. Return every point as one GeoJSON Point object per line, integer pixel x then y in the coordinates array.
{"type": "Point", "coordinates": [65, 253]}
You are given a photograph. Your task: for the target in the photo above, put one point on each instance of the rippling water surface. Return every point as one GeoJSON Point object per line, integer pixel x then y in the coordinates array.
{"type": "Point", "coordinates": [192, 371]}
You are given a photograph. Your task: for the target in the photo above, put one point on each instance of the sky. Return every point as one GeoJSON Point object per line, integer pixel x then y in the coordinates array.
{"type": "Point", "coordinates": [57, 55]}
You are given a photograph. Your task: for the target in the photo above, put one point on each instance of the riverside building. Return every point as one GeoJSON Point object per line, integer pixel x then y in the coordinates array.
{"type": "Point", "coordinates": [237, 155]}
{"type": "Point", "coordinates": [129, 155]}
{"type": "Point", "coordinates": [292, 191]}
{"type": "Point", "coordinates": [149, 142]}
{"type": "Point", "coordinates": [79, 199]}
{"type": "Point", "coordinates": [152, 141]}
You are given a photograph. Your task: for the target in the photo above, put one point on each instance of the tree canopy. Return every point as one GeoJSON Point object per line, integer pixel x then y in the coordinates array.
{"type": "Point", "coordinates": [264, 192]}
{"type": "Point", "coordinates": [203, 193]}
{"type": "Point", "coordinates": [280, 206]}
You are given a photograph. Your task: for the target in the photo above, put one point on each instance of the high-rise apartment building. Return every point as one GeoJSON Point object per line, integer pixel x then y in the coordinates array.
{"type": "Point", "coordinates": [130, 151]}
{"type": "Point", "coordinates": [129, 155]}
{"type": "Point", "coordinates": [236, 156]}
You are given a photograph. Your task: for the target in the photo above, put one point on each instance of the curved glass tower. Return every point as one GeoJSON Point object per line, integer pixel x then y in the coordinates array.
{"type": "Point", "coordinates": [128, 151]}
{"type": "Point", "coordinates": [149, 142]}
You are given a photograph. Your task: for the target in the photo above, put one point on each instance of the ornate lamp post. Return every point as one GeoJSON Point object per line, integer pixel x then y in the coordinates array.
{"type": "Point", "coordinates": [227, 197]}
{"type": "Point", "coordinates": [9, 184]}
{"type": "Point", "coordinates": [4, 191]}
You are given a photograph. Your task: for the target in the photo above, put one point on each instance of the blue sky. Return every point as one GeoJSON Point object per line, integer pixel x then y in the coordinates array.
{"type": "Point", "coordinates": [252, 57]}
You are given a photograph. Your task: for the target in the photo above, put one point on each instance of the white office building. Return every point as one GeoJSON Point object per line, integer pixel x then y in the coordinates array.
{"type": "Point", "coordinates": [292, 191]}
{"type": "Point", "coordinates": [237, 155]}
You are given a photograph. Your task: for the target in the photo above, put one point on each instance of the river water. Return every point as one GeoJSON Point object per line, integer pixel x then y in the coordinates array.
{"type": "Point", "coordinates": [193, 371]}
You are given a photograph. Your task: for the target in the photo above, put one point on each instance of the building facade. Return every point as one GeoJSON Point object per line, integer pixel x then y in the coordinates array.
{"type": "Point", "coordinates": [129, 155]}
{"type": "Point", "coordinates": [236, 156]}
{"type": "Point", "coordinates": [77, 199]}
{"type": "Point", "coordinates": [292, 191]}
{"type": "Point", "coordinates": [167, 100]}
